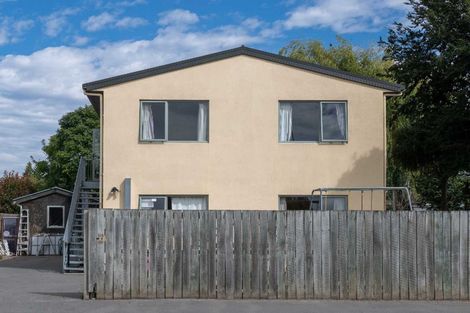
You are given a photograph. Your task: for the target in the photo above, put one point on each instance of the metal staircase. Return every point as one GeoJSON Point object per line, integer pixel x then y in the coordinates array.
{"type": "Point", "coordinates": [85, 196]}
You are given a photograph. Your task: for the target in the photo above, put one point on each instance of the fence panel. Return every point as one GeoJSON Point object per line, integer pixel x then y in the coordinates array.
{"type": "Point", "coordinates": [271, 254]}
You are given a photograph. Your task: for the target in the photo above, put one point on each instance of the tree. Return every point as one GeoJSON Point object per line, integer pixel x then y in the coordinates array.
{"type": "Point", "coordinates": [431, 57]}
{"type": "Point", "coordinates": [13, 185]}
{"type": "Point", "coordinates": [367, 62]}
{"type": "Point", "coordinates": [72, 140]}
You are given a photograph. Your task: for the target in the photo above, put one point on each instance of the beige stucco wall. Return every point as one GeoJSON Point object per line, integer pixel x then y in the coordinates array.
{"type": "Point", "coordinates": [243, 166]}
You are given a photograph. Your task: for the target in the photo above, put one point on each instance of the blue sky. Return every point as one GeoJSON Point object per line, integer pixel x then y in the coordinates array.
{"type": "Point", "coordinates": [49, 48]}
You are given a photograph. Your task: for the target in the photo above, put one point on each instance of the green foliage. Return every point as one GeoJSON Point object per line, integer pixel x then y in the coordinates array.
{"type": "Point", "coordinates": [431, 57]}
{"type": "Point", "coordinates": [343, 56]}
{"type": "Point", "coordinates": [72, 140]}
{"type": "Point", "coordinates": [13, 185]}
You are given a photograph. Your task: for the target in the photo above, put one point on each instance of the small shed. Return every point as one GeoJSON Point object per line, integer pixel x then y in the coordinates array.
{"type": "Point", "coordinates": [43, 216]}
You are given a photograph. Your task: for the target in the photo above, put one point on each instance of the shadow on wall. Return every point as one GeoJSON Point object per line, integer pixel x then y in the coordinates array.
{"type": "Point", "coordinates": [367, 170]}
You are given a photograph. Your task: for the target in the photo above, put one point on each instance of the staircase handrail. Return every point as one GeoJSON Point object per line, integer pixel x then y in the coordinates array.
{"type": "Point", "coordinates": [73, 207]}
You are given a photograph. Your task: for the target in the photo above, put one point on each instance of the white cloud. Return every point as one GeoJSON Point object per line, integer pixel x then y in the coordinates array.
{"type": "Point", "coordinates": [80, 40]}
{"type": "Point", "coordinates": [130, 3]}
{"type": "Point", "coordinates": [130, 22]}
{"type": "Point", "coordinates": [108, 20]}
{"type": "Point", "coordinates": [252, 23]}
{"type": "Point", "coordinates": [177, 18]}
{"type": "Point", "coordinates": [113, 4]}
{"type": "Point", "coordinates": [345, 16]}
{"type": "Point", "coordinates": [37, 89]}
{"type": "Point", "coordinates": [57, 21]}
{"type": "Point", "coordinates": [22, 26]}
{"type": "Point", "coordinates": [98, 22]}
{"type": "Point", "coordinates": [11, 31]}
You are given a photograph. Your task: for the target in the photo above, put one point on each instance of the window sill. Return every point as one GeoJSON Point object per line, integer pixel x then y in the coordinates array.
{"type": "Point", "coordinates": [169, 141]}
{"type": "Point", "coordinates": [315, 142]}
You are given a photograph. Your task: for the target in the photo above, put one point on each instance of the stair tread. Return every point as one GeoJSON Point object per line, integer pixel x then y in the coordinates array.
{"type": "Point", "coordinates": [76, 262]}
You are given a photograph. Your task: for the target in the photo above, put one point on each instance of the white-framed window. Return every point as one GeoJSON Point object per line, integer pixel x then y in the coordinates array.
{"type": "Point", "coordinates": [301, 202]}
{"type": "Point", "coordinates": [174, 121]}
{"type": "Point", "coordinates": [55, 216]}
{"type": "Point", "coordinates": [179, 202]}
{"type": "Point", "coordinates": [313, 121]}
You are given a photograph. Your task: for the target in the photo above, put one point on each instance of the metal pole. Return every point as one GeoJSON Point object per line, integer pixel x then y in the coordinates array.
{"type": "Point", "coordinates": [321, 199]}
{"type": "Point", "coordinates": [409, 199]}
{"type": "Point", "coordinates": [371, 200]}
{"type": "Point", "coordinates": [362, 200]}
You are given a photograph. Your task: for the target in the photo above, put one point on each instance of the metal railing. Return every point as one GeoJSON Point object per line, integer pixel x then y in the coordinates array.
{"type": "Point", "coordinates": [396, 202]}
{"type": "Point", "coordinates": [92, 169]}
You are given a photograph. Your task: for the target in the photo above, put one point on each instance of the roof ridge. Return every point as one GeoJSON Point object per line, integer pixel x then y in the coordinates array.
{"type": "Point", "coordinates": [242, 50]}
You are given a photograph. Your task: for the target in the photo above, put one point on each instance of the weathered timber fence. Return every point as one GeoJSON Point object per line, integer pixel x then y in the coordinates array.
{"type": "Point", "coordinates": [277, 255]}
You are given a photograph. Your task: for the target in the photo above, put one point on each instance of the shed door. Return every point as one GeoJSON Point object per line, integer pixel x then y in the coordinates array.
{"type": "Point", "coordinates": [10, 232]}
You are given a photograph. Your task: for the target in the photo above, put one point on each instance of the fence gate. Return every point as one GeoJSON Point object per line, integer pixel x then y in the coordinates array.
{"type": "Point", "coordinates": [276, 254]}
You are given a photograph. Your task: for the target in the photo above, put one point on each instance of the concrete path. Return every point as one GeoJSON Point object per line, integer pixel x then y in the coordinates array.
{"type": "Point", "coordinates": [36, 284]}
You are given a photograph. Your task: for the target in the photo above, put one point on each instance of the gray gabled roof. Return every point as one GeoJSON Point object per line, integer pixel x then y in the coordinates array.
{"type": "Point", "coordinates": [236, 52]}
{"type": "Point", "coordinates": [41, 194]}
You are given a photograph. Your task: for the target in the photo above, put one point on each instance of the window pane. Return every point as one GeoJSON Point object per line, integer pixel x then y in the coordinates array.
{"type": "Point", "coordinates": [305, 121]}
{"type": "Point", "coordinates": [183, 120]}
{"type": "Point", "coordinates": [332, 203]}
{"type": "Point", "coordinates": [152, 203]}
{"type": "Point", "coordinates": [188, 203]}
{"type": "Point", "coordinates": [56, 217]}
{"type": "Point", "coordinates": [300, 203]}
{"type": "Point", "coordinates": [10, 226]}
{"type": "Point", "coordinates": [334, 121]}
{"type": "Point", "coordinates": [153, 120]}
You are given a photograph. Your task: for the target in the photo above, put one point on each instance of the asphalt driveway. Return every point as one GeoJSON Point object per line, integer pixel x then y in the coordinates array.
{"type": "Point", "coordinates": [36, 284]}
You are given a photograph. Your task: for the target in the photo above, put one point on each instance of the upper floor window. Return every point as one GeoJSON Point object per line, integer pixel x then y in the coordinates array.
{"type": "Point", "coordinates": [312, 121]}
{"type": "Point", "coordinates": [174, 121]}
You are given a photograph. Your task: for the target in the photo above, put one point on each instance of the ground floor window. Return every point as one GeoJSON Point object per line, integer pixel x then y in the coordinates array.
{"type": "Point", "coordinates": [159, 202]}
{"type": "Point", "coordinates": [55, 216]}
{"type": "Point", "coordinates": [330, 203]}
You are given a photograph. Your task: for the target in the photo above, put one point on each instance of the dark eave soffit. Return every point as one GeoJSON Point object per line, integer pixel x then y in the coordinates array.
{"type": "Point", "coordinates": [236, 52]}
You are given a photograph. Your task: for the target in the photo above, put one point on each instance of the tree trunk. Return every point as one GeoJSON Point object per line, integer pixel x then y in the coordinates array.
{"type": "Point", "coordinates": [444, 183]}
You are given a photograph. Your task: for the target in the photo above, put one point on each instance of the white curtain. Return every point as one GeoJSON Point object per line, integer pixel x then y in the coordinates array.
{"type": "Point", "coordinates": [147, 122]}
{"type": "Point", "coordinates": [202, 122]}
{"type": "Point", "coordinates": [189, 203]}
{"type": "Point", "coordinates": [340, 108]}
{"type": "Point", "coordinates": [285, 122]}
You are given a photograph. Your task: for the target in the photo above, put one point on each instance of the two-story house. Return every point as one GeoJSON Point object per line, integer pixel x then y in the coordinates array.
{"type": "Point", "coordinates": [239, 129]}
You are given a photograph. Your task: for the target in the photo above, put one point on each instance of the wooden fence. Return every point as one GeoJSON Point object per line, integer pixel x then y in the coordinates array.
{"type": "Point", "coordinates": [277, 255]}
